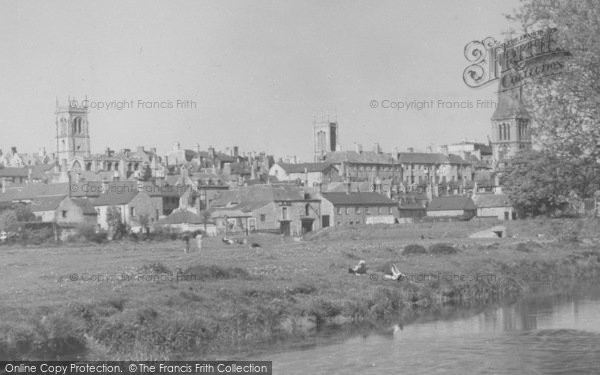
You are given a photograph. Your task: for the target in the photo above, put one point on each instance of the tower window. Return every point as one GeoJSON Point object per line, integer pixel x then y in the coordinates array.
{"type": "Point", "coordinates": [77, 125]}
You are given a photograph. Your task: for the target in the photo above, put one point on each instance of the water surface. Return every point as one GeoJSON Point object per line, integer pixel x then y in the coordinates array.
{"type": "Point", "coordinates": [559, 335]}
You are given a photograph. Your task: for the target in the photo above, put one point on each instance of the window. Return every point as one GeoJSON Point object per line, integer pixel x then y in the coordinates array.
{"type": "Point", "coordinates": [64, 214]}
{"type": "Point", "coordinates": [347, 210]}
{"type": "Point", "coordinates": [263, 218]}
{"type": "Point", "coordinates": [367, 210]}
{"type": "Point", "coordinates": [131, 211]}
{"type": "Point", "coordinates": [339, 210]}
{"type": "Point", "coordinates": [391, 210]}
{"type": "Point", "coordinates": [379, 210]}
{"type": "Point", "coordinates": [284, 213]}
{"type": "Point", "coordinates": [357, 210]}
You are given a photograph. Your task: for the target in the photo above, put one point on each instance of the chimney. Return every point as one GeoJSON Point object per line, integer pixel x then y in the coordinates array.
{"type": "Point", "coordinates": [197, 146]}
{"type": "Point", "coordinates": [235, 151]}
{"type": "Point", "coordinates": [411, 149]}
{"type": "Point", "coordinates": [377, 148]}
{"type": "Point", "coordinates": [140, 149]}
{"type": "Point", "coordinates": [13, 150]}
{"type": "Point", "coordinates": [153, 150]}
{"type": "Point", "coordinates": [429, 149]}
{"type": "Point", "coordinates": [176, 146]}
{"type": "Point", "coordinates": [358, 147]}
{"type": "Point", "coordinates": [305, 177]}
{"type": "Point", "coordinates": [211, 152]}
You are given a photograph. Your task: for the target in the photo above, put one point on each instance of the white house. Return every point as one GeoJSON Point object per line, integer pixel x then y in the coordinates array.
{"type": "Point", "coordinates": [310, 174]}
{"type": "Point", "coordinates": [494, 205]}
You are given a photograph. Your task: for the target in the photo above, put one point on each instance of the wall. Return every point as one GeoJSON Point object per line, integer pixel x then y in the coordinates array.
{"type": "Point", "coordinates": [74, 213]}
{"type": "Point", "coordinates": [495, 211]}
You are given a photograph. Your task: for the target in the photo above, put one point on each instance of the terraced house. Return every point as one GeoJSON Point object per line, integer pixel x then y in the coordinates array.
{"type": "Point", "coordinates": [422, 168]}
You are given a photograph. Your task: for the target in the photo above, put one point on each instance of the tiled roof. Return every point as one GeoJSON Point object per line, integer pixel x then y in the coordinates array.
{"type": "Point", "coordinates": [365, 157]}
{"type": "Point", "coordinates": [48, 203]}
{"type": "Point", "coordinates": [87, 208]}
{"type": "Point", "coordinates": [491, 200]}
{"type": "Point", "coordinates": [302, 167]}
{"type": "Point", "coordinates": [429, 158]}
{"type": "Point", "coordinates": [364, 198]}
{"type": "Point", "coordinates": [14, 172]}
{"type": "Point", "coordinates": [248, 198]}
{"type": "Point", "coordinates": [411, 206]}
{"type": "Point", "coordinates": [451, 203]}
{"type": "Point", "coordinates": [115, 198]}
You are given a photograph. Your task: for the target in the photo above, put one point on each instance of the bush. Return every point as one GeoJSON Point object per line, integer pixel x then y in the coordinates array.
{"type": "Point", "coordinates": [154, 268]}
{"type": "Point", "coordinates": [442, 249]}
{"type": "Point", "coordinates": [414, 249]}
{"type": "Point", "coordinates": [321, 310]}
{"type": "Point", "coordinates": [213, 272]}
{"type": "Point", "coordinates": [88, 232]}
{"type": "Point", "coordinates": [521, 246]}
{"type": "Point", "coordinates": [160, 233]}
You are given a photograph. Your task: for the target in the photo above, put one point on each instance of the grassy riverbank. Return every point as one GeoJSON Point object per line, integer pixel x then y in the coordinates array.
{"type": "Point", "coordinates": [151, 301]}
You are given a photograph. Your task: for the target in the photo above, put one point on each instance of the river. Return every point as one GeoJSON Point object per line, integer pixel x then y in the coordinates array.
{"type": "Point", "coordinates": [550, 335]}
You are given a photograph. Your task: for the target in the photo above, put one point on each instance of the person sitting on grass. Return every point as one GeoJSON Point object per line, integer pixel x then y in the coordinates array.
{"type": "Point", "coordinates": [393, 273]}
{"type": "Point", "coordinates": [359, 269]}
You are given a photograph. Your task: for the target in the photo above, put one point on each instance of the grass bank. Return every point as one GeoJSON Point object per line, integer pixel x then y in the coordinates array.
{"type": "Point", "coordinates": [151, 301]}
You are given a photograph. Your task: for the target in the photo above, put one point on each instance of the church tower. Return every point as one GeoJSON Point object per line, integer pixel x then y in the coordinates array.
{"type": "Point", "coordinates": [510, 126]}
{"type": "Point", "coordinates": [326, 138]}
{"type": "Point", "coordinates": [72, 132]}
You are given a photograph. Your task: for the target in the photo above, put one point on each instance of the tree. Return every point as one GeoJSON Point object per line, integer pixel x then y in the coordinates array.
{"type": "Point", "coordinates": [114, 222]}
{"type": "Point", "coordinates": [144, 220]}
{"type": "Point", "coordinates": [7, 219]}
{"type": "Point", "coordinates": [566, 107]}
{"type": "Point", "coordinates": [541, 182]}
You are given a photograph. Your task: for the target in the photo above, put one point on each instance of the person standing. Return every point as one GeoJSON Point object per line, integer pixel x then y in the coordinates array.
{"type": "Point", "coordinates": [186, 239]}
{"type": "Point", "coordinates": [199, 241]}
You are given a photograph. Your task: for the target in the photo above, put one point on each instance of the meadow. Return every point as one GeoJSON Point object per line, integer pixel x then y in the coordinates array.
{"type": "Point", "coordinates": [151, 301]}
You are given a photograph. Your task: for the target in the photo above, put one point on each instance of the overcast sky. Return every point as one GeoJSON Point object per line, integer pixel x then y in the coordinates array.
{"type": "Point", "coordinates": [258, 71]}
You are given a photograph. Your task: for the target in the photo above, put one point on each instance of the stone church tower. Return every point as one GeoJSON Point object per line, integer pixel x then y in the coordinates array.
{"type": "Point", "coordinates": [326, 138]}
{"type": "Point", "coordinates": [510, 127]}
{"type": "Point", "coordinates": [72, 132]}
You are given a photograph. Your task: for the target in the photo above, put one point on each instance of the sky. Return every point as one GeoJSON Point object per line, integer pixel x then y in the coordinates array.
{"type": "Point", "coordinates": [254, 73]}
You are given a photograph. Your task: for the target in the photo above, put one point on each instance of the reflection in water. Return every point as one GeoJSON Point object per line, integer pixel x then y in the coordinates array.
{"type": "Point", "coordinates": [540, 336]}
